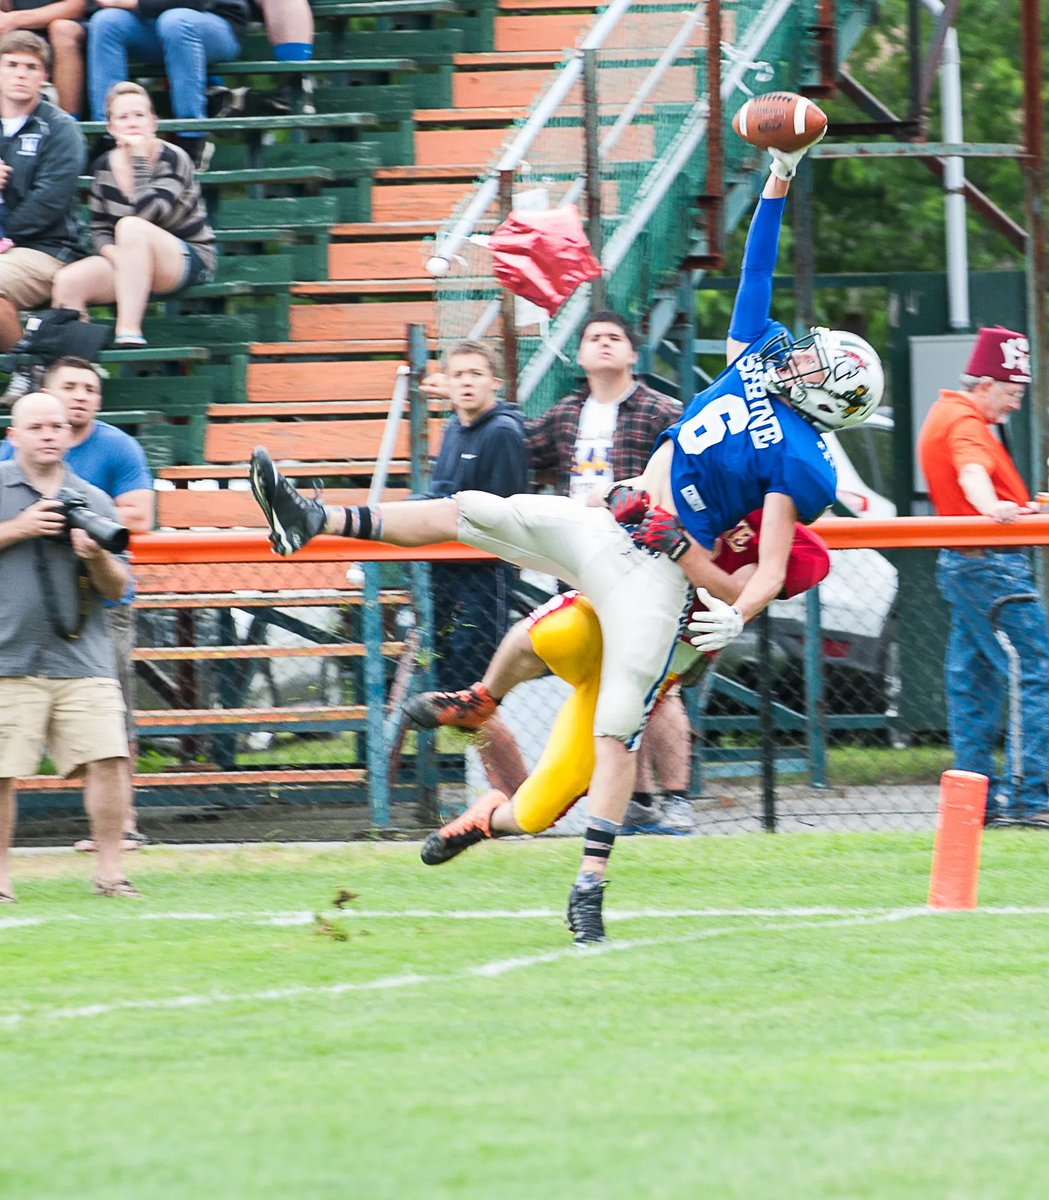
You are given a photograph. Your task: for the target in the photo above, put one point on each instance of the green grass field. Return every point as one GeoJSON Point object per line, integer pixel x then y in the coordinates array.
{"type": "Point", "coordinates": [774, 1017]}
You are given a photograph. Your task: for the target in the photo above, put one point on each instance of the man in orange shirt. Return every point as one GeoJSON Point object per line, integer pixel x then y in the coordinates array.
{"type": "Point", "coordinates": [970, 473]}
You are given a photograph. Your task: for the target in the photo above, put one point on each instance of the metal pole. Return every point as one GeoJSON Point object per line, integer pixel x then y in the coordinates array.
{"type": "Point", "coordinates": [509, 301]}
{"type": "Point", "coordinates": [815, 711]}
{"type": "Point", "coordinates": [1038, 255]}
{"type": "Point", "coordinates": [591, 150]}
{"type": "Point", "coordinates": [768, 739]}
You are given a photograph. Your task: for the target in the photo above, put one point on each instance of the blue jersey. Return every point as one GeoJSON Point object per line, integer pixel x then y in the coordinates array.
{"type": "Point", "coordinates": [735, 444]}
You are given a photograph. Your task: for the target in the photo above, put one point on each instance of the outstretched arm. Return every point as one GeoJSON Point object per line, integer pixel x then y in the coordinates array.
{"type": "Point", "coordinates": [754, 297]}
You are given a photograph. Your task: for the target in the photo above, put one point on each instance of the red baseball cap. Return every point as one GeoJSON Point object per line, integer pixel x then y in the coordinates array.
{"type": "Point", "coordinates": [1002, 355]}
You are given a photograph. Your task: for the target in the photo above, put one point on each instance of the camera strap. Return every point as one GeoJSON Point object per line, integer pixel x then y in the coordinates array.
{"type": "Point", "coordinates": [46, 584]}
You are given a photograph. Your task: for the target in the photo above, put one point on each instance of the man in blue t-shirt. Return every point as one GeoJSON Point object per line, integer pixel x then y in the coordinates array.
{"type": "Point", "coordinates": [751, 441]}
{"type": "Point", "coordinates": [114, 462]}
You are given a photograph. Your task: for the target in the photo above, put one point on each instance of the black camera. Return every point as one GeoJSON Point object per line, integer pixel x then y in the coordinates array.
{"type": "Point", "coordinates": [110, 535]}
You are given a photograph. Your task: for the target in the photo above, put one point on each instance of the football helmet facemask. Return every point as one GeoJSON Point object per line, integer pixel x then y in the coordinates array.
{"type": "Point", "coordinates": [833, 378]}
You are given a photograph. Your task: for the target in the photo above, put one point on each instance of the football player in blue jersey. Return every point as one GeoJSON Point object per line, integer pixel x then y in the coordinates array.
{"type": "Point", "coordinates": [749, 441]}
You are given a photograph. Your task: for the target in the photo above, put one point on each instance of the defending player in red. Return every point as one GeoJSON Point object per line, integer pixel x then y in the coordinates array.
{"type": "Point", "coordinates": [564, 636]}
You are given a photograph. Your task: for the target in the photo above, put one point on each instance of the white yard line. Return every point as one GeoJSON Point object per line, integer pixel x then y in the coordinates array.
{"type": "Point", "coordinates": [493, 969]}
{"type": "Point", "coordinates": [307, 916]}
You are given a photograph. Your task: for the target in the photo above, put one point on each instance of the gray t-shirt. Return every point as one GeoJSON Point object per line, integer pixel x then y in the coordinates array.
{"type": "Point", "coordinates": [41, 576]}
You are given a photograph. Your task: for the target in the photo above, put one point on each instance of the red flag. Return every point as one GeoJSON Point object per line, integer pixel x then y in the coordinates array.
{"type": "Point", "coordinates": [543, 255]}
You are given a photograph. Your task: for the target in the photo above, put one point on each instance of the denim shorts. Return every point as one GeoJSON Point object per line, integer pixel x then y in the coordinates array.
{"type": "Point", "coordinates": [194, 270]}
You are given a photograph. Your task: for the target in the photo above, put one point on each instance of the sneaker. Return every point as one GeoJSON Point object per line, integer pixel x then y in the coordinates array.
{"type": "Point", "coordinates": [289, 98]}
{"type": "Point", "coordinates": [677, 814]}
{"type": "Point", "coordinates": [468, 709]}
{"type": "Point", "coordinates": [465, 831]}
{"type": "Point", "coordinates": [293, 520]}
{"type": "Point", "coordinates": [226, 101]}
{"type": "Point", "coordinates": [122, 888]}
{"type": "Point", "coordinates": [584, 912]}
{"type": "Point", "coordinates": [640, 818]}
{"type": "Point", "coordinates": [20, 384]}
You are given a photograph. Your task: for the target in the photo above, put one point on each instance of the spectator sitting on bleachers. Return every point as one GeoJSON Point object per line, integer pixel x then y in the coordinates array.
{"type": "Point", "coordinates": [41, 156]}
{"type": "Point", "coordinates": [59, 22]}
{"type": "Point", "coordinates": [148, 221]}
{"type": "Point", "coordinates": [289, 26]}
{"type": "Point", "coordinates": [185, 35]}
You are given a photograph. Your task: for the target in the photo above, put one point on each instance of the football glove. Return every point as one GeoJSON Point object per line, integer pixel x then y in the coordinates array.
{"type": "Point", "coordinates": [716, 627]}
{"type": "Point", "coordinates": [785, 162]}
{"type": "Point", "coordinates": [627, 504]}
{"type": "Point", "coordinates": [660, 532]}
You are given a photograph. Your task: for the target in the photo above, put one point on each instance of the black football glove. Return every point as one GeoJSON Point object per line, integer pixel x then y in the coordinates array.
{"type": "Point", "coordinates": [627, 504]}
{"type": "Point", "coordinates": [661, 533]}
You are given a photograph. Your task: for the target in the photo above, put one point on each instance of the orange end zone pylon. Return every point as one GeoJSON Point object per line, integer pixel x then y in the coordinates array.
{"type": "Point", "coordinates": [956, 856]}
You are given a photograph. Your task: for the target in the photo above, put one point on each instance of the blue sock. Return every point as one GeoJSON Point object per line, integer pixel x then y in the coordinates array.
{"type": "Point", "coordinates": [294, 51]}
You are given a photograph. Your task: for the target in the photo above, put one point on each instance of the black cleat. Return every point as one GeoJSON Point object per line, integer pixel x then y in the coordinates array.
{"type": "Point", "coordinates": [467, 830]}
{"type": "Point", "coordinates": [293, 520]}
{"type": "Point", "coordinates": [584, 913]}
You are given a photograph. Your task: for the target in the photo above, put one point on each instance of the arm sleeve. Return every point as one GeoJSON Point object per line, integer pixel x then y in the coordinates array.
{"type": "Point", "coordinates": [132, 472]}
{"type": "Point", "coordinates": [102, 223]}
{"type": "Point", "coordinates": [542, 447]}
{"type": "Point", "coordinates": [159, 188]}
{"type": "Point", "coordinates": [965, 444]}
{"type": "Point", "coordinates": [754, 297]}
{"type": "Point", "coordinates": [53, 193]}
{"type": "Point", "coordinates": [508, 458]}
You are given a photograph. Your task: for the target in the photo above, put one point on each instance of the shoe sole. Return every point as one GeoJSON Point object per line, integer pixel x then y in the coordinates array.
{"type": "Point", "coordinates": [262, 463]}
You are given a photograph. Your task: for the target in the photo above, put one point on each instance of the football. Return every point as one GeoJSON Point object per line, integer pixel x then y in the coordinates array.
{"type": "Point", "coordinates": [783, 120]}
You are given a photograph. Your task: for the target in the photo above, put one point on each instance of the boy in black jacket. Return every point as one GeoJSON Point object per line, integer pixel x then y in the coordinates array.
{"type": "Point", "coordinates": [483, 450]}
{"type": "Point", "coordinates": [41, 154]}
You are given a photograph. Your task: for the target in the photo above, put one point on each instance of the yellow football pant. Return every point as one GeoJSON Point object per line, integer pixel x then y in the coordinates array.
{"type": "Point", "coordinates": [568, 640]}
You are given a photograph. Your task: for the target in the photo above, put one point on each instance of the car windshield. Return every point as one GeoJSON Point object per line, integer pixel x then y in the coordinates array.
{"type": "Point", "coordinates": [869, 448]}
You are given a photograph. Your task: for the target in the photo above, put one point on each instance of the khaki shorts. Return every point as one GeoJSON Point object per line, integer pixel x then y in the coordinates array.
{"type": "Point", "coordinates": [82, 721]}
{"type": "Point", "coordinates": [122, 630]}
{"type": "Point", "coordinates": [25, 277]}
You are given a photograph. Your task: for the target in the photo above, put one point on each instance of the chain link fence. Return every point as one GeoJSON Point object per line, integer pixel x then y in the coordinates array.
{"type": "Point", "coordinates": [269, 694]}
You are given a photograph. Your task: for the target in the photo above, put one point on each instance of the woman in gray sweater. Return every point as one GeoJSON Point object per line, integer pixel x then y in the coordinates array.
{"type": "Point", "coordinates": [148, 221]}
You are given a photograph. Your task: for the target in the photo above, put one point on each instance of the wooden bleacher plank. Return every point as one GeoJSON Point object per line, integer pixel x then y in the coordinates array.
{"type": "Point", "coordinates": [376, 346]}
{"type": "Point", "coordinates": [321, 289]}
{"type": "Point", "coordinates": [320, 470]}
{"type": "Point", "coordinates": [554, 32]}
{"type": "Point", "coordinates": [222, 653]}
{"type": "Point", "coordinates": [315, 66]}
{"type": "Point", "coordinates": [225, 508]}
{"type": "Point", "coordinates": [360, 380]}
{"type": "Point", "coordinates": [143, 781]}
{"type": "Point", "coordinates": [374, 230]}
{"type": "Point", "coordinates": [502, 115]}
{"type": "Point", "coordinates": [267, 124]}
{"type": "Point", "coordinates": [310, 408]}
{"type": "Point", "coordinates": [317, 322]}
{"type": "Point", "coordinates": [303, 440]}
{"type": "Point", "coordinates": [416, 201]}
{"type": "Point", "coordinates": [439, 146]}
{"type": "Point", "coordinates": [174, 721]}
{"type": "Point", "coordinates": [246, 600]}
{"type": "Point", "coordinates": [277, 577]}
{"type": "Point", "coordinates": [369, 260]}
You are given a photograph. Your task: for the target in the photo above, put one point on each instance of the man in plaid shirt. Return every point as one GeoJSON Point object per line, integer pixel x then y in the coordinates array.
{"type": "Point", "coordinates": [605, 431]}
{"type": "Point", "coordinates": [583, 444]}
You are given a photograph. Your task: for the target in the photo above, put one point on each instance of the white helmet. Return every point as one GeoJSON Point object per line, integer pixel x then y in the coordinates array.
{"type": "Point", "coordinates": [841, 388]}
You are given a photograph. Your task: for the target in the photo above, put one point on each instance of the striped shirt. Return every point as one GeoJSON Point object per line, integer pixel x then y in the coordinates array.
{"type": "Point", "coordinates": [166, 193]}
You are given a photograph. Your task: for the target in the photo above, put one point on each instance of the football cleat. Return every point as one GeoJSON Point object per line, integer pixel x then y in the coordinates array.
{"type": "Point", "coordinates": [467, 830]}
{"type": "Point", "coordinates": [292, 518]}
{"type": "Point", "coordinates": [584, 913]}
{"type": "Point", "coordinates": [468, 709]}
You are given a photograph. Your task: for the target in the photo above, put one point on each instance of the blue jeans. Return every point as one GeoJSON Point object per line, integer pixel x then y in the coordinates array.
{"type": "Point", "coordinates": [977, 672]}
{"type": "Point", "coordinates": [183, 40]}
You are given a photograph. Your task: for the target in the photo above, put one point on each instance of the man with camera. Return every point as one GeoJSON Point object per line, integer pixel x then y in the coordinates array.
{"type": "Point", "coordinates": [112, 460]}
{"type": "Point", "coordinates": [60, 556]}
